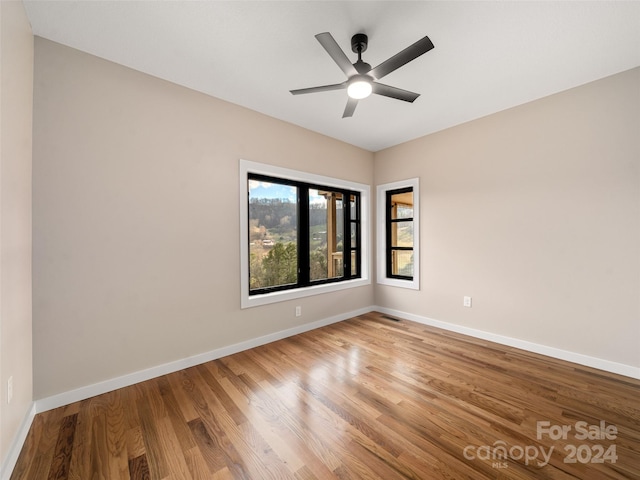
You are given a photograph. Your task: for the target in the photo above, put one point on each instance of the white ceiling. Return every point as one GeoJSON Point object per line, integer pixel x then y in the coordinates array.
{"type": "Point", "coordinates": [488, 55]}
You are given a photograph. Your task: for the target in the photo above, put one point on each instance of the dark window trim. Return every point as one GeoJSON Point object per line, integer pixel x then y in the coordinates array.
{"type": "Point", "coordinates": [303, 280]}
{"type": "Point", "coordinates": [389, 221]}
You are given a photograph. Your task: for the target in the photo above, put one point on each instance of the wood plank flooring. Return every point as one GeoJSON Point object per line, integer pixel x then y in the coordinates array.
{"type": "Point", "coordinates": [367, 398]}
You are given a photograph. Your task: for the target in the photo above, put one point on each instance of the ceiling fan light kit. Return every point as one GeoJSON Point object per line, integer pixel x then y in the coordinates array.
{"type": "Point", "coordinates": [361, 78]}
{"type": "Point", "coordinates": [359, 87]}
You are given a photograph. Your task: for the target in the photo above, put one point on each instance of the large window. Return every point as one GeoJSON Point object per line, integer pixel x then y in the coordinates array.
{"type": "Point", "coordinates": [398, 234]}
{"type": "Point", "coordinates": [303, 234]}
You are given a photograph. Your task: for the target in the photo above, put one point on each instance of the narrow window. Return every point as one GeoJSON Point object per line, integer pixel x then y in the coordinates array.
{"type": "Point", "coordinates": [398, 234]}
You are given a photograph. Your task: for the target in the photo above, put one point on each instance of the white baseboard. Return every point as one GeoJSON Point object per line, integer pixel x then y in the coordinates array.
{"type": "Point", "coordinates": [82, 393]}
{"type": "Point", "coordinates": [606, 365]}
{"type": "Point", "coordinates": [89, 391]}
{"type": "Point", "coordinates": [16, 446]}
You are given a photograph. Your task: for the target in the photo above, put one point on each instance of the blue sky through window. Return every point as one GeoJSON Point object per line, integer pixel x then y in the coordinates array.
{"type": "Point", "coordinates": [269, 190]}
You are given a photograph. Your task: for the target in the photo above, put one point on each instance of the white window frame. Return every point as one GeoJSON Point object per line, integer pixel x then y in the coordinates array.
{"type": "Point", "coordinates": [248, 301]}
{"type": "Point", "coordinates": [381, 235]}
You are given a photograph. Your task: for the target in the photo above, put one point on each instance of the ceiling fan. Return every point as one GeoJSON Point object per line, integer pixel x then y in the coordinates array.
{"type": "Point", "coordinates": [361, 78]}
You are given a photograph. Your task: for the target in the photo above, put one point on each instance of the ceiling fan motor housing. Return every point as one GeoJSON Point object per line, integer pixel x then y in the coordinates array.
{"type": "Point", "coordinates": [359, 43]}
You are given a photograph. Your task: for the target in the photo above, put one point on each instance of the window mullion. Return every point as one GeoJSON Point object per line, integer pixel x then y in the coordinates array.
{"type": "Point", "coordinates": [303, 236]}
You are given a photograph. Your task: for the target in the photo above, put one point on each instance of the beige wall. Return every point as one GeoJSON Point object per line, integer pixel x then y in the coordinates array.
{"type": "Point", "coordinates": [136, 219]}
{"type": "Point", "coordinates": [16, 87]}
{"type": "Point", "coordinates": [535, 213]}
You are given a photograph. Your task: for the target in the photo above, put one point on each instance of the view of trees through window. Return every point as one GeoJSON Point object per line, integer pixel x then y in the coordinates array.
{"type": "Point", "coordinates": [274, 240]}
{"type": "Point", "coordinates": [273, 235]}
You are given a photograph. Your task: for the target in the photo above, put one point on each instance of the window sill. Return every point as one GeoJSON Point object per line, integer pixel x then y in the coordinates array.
{"type": "Point", "coordinates": [397, 282]}
{"type": "Point", "coordinates": [249, 301]}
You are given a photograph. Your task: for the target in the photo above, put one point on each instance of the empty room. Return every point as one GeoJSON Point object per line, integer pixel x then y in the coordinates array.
{"type": "Point", "coordinates": [319, 240]}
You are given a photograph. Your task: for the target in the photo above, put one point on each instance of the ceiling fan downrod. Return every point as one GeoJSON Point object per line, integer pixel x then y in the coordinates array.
{"type": "Point", "coordinates": [359, 43]}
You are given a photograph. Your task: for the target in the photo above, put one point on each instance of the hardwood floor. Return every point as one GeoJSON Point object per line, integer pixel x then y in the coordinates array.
{"type": "Point", "coordinates": [367, 398]}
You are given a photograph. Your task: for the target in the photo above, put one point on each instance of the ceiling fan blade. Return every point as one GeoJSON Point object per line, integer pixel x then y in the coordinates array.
{"type": "Point", "coordinates": [399, 59]}
{"type": "Point", "coordinates": [394, 92]}
{"type": "Point", "coordinates": [350, 108]}
{"type": "Point", "coordinates": [338, 55]}
{"type": "Point", "coordinates": [324, 88]}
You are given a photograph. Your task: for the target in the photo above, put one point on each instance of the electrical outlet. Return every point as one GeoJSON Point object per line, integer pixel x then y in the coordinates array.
{"type": "Point", "coordinates": [298, 311]}
{"type": "Point", "coordinates": [466, 301]}
{"type": "Point", "coordinates": [9, 389]}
